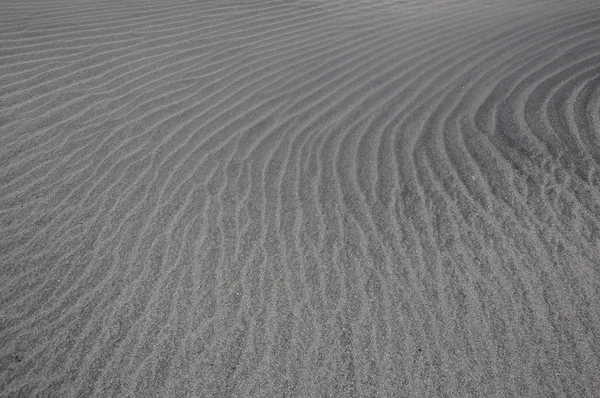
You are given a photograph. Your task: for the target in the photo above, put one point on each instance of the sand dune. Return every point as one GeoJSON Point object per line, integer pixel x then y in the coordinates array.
{"type": "Point", "coordinates": [303, 198]}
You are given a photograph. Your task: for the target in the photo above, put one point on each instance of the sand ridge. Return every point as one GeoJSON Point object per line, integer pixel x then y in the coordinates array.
{"type": "Point", "coordinates": [304, 198]}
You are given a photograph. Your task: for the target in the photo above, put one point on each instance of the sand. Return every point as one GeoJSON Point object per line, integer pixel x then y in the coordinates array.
{"type": "Point", "coordinates": [300, 198]}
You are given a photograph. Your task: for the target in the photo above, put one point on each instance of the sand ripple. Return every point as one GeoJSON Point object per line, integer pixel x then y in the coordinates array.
{"type": "Point", "coordinates": [301, 198]}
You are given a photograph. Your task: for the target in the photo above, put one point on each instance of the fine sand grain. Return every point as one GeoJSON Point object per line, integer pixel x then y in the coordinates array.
{"type": "Point", "coordinates": [301, 198]}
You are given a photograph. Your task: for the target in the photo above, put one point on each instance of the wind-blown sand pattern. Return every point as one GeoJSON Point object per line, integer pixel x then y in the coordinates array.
{"type": "Point", "coordinates": [300, 198]}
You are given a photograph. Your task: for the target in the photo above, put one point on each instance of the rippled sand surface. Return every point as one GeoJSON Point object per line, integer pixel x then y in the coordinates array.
{"type": "Point", "coordinates": [300, 198]}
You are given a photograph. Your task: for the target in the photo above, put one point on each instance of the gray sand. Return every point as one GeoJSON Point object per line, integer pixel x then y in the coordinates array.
{"type": "Point", "coordinates": [300, 198]}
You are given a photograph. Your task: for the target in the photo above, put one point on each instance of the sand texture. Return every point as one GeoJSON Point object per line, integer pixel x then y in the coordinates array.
{"type": "Point", "coordinates": [300, 198]}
